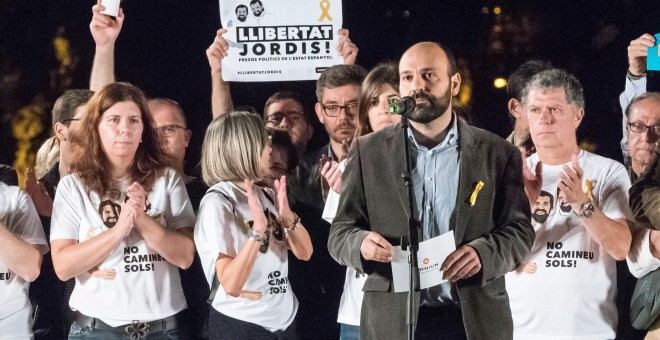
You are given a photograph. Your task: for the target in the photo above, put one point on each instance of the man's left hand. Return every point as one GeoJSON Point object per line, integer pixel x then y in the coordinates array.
{"type": "Point", "coordinates": [570, 183]}
{"type": "Point", "coordinates": [463, 263]}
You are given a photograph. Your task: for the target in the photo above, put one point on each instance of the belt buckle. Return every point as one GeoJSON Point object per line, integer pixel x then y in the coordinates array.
{"type": "Point", "coordinates": [137, 330]}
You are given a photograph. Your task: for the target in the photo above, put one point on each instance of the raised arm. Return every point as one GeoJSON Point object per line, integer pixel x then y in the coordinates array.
{"type": "Point", "coordinates": [635, 81]}
{"type": "Point", "coordinates": [220, 92]}
{"type": "Point", "coordinates": [105, 31]}
{"type": "Point", "coordinates": [297, 236]}
{"type": "Point", "coordinates": [233, 272]}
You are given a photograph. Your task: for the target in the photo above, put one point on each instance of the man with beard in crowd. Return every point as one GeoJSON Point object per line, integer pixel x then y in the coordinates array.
{"type": "Point", "coordinates": [491, 224]}
{"type": "Point", "coordinates": [542, 207]}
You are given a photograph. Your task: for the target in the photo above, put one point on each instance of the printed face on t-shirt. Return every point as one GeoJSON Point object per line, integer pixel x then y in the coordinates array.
{"type": "Point", "coordinates": [109, 213]}
{"type": "Point", "coordinates": [564, 207]}
{"type": "Point", "coordinates": [542, 207]}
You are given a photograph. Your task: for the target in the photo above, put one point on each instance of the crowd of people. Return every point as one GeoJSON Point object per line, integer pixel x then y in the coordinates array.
{"type": "Point", "coordinates": [113, 240]}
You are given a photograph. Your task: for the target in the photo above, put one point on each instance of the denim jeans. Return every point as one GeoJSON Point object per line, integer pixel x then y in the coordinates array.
{"type": "Point", "coordinates": [349, 332]}
{"type": "Point", "coordinates": [78, 332]}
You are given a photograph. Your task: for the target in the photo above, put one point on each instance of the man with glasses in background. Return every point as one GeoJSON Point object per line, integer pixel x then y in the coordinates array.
{"type": "Point", "coordinates": [284, 112]}
{"type": "Point", "coordinates": [643, 128]}
{"type": "Point", "coordinates": [318, 283]}
{"type": "Point", "coordinates": [643, 136]}
{"type": "Point", "coordinates": [172, 129]}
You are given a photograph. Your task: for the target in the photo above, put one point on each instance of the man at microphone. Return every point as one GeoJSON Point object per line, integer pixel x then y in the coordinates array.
{"type": "Point", "coordinates": [450, 160]}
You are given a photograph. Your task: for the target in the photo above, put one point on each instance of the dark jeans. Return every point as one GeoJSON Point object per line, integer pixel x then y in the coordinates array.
{"type": "Point", "coordinates": [78, 332]}
{"type": "Point", "coordinates": [349, 332]}
{"type": "Point", "coordinates": [440, 323]}
{"type": "Point", "coordinates": [224, 327]}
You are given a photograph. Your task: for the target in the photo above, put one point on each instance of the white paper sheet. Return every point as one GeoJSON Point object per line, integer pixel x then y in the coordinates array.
{"type": "Point", "coordinates": [432, 253]}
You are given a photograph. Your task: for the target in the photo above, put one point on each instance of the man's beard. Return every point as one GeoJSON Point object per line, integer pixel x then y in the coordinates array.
{"type": "Point", "coordinates": [242, 18]}
{"type": "Point", "coordinates": [436, 107]}
{"type": "Point", "coordinates": [540, 218]}
{"type": "Point", "coordinates": [565, 207]}
{"type": "Point", "coordinates": [110, 222]}
{"type": "Point", "coordinates": [256, 14]}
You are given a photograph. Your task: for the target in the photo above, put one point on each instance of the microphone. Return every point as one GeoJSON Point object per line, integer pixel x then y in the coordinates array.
{"type": "Point", "coordinates": [403, 106]}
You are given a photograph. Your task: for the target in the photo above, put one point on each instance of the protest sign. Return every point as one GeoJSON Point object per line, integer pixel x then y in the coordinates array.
{"type": "Point", "coordinates": [280, 40]}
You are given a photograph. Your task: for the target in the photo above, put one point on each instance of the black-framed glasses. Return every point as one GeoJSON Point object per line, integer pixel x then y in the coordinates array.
{"type": "Point", "coordinates": [65, 121]}
{"type": "Point", "coordinates": [333, 110]}
{"type": "Point", "coordinates": [641, 128]}
{"type": "Point", "coordinates": [169, 130]}
{"type": "Point", "coordinates": [277, 118]}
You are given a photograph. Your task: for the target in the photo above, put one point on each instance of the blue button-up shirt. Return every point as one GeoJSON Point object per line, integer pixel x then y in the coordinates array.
{"type": "Point", "coordinates": [435, 179]}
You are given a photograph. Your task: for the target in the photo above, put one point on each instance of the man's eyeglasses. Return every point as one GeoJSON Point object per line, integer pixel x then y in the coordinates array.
{"type": "Point", "coordinates": [277, 118]}
{"type": "Point", "coordinates": [65, 121]}
{"type": "Point", "coordinates": [641, 128]}
{"type": "Point", "coordinates": [169, 130]}
{"type": "Point", "coordinates": [334, 110]}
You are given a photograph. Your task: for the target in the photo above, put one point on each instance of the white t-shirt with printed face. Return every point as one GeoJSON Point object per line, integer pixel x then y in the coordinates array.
{"type": "Point", "coordinates": [567, 287]}
{"type": "Point", "coordinates": [267, 299]}
{"type": "Point", "coordinates": [134, 282]}
{"type": "Point", "coordinates": [18, 215]}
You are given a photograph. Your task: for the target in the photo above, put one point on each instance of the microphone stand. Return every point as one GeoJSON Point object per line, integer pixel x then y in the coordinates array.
{"type": "Point", "coordinates": [411, 241]}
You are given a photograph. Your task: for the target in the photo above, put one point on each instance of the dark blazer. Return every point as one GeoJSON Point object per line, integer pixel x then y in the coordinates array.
{"type": "Point", "coordinates": [645, 193]}
{"type": "Point", "coordinates": [497, 226]}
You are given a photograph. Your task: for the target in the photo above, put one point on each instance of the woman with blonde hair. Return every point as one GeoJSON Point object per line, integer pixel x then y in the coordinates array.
{"type": "Point", "coordinates": [379, 87]}
{"type": "Point", "coordinates": [243, 234]}
{"type": "Point", "coordinates": [122, 223]}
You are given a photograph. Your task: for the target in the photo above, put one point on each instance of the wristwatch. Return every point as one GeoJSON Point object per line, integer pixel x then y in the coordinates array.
{"type": "Point", "coordinates": [586, 210]}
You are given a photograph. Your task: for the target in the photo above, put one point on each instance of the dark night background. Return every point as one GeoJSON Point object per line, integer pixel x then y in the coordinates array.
{"type": "Point", "coordinates": [162, 50]}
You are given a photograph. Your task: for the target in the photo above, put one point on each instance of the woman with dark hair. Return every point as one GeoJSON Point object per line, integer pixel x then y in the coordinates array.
{"type": "Point", "coordinates": [379, 87]}
{"type": "Point", "coordinates": [125, 266]}
{"type": "Point", "coordinates": [244, 232]}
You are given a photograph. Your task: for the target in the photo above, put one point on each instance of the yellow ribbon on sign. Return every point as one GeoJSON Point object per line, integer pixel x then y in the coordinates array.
{"type": "Point", "coordinates": [473, 197]}
{"type": "Point", "coordinates": [588, 187]}
{"type": "Point", "coordinates": [325, 6]}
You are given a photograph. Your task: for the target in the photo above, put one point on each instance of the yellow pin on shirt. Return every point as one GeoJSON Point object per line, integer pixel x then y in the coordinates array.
{"type": "Point", "coordinates": [473, 197]}
{"type": "Point", "coordinates": [588, 187]}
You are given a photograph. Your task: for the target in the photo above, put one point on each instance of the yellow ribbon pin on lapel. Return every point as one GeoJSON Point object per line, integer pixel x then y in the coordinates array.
{"type": "Point", "coordinates": [473, 197]}
{"type": "Point", "coordinates": [588, 188]}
